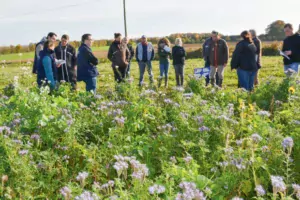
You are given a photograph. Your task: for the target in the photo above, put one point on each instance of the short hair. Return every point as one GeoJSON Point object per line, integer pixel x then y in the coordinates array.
{"type": "Point", "coordinates": [117, 35]}
{"type": "Point", "coordinates": [253, 32]}
{"type": "Point", "coordinates": [178, 41]}
{"type": "Point", "coordinates": [215, 32]}
{"type": "Point", "coordinates": [288, 25]}
{"type": "Point", "coordinates": [48, 44]}
{"type": "Point", "coordinates": [85, 37]}
{"type": "Point", "coordinates": [65, 36]}
{"type": "Point", "coordinates": [51, 34]}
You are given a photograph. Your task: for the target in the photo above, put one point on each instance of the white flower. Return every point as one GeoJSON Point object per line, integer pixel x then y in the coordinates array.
{"type": "Point", "coordinates": [82, 176]}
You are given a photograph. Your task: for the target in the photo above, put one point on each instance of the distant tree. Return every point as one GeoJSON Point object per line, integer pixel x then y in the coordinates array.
{"type": "Point", "coordinates": [31, 47]}
{"type": "Point", "coordinates": [275, 30]}
{"type": "Point", "coordinates": [18, 48]}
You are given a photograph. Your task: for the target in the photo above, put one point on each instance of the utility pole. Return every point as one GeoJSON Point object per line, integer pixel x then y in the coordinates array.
{"type": "Point", "coordinates": [125, 21]}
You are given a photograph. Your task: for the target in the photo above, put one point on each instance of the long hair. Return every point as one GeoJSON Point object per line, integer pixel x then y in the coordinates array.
{"type": "Point", "coordinates": [246, 35]}
{"type": "Point", "coordinates": [165, 41]}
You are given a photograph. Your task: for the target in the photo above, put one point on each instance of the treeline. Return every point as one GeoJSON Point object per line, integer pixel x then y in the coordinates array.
{"type": "Point", "coordinates": [274, 32]}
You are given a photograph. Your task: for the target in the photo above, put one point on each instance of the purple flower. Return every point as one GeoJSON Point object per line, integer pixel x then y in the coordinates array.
{"type": "Point", "coordinates": [87, 196]}
{"type": "Point", "coordinates": [156, 189]}
{"type": "Point", "coordinates": [66, 192]}
{"type": "Point", "coordinates": [260, 191]}
{"type": "Point", "coordinates": [278, 184]}
{"type": "Point", "coordinates": [287, 143]}
{"type": "Point", "coordinates": [256, 138]}
{"type": "Point", "coordinates": [35, 137]}
{"type": "Point", "coordinates": [23, 152]}
{"type": "Point", "coordinates": [203, 129]}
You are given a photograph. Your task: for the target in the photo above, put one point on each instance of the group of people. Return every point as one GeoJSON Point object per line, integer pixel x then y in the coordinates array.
{"type": "Point", "coordinates": [54, 64]}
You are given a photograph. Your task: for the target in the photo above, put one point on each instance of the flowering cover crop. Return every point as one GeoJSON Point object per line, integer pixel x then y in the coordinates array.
{"type": "Point", "coordinates": [133, 143]}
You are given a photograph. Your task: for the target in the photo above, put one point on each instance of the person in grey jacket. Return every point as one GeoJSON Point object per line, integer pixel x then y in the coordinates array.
{"type": "Point", "coordinates": [144, 56]}
{"type": "Point", "coordinates": [218, 57]}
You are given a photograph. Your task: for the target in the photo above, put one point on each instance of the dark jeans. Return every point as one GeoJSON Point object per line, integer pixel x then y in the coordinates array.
{"type": "Point", "coordinates": [128, 70]}
{"type": "Point", "coordinates": [246, 79]}
{"type": "Point", "coordinates": [119, 73]}
{"type": "Point", "coordinates": [91, 84]}
{"type": "Point", "coordinates": [179, 73]}
{"type": "Point", "coordinates": [142, 66]}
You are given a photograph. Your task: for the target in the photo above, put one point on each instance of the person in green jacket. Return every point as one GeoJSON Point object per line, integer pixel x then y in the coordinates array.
{"type": "Point", "coordinates": [164, 53]}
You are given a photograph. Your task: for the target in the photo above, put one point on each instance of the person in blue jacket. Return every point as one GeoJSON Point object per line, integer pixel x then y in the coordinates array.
{"type": "Point", "coordinates": [87, 64]}
{"type": "Point", "coordinates": [47, 68]}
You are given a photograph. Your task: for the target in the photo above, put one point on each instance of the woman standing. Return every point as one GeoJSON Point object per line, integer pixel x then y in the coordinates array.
{"type": "Point", "coordinates": [244, 60]}
{"type": "Point", "coordinates": [47, 69]}
{"type": "Point", "coordinates": [178, 54]}
{"type": "Point", "coordinates": [119, 55]}
{"type": "Point", "coordinates": [164, 53]}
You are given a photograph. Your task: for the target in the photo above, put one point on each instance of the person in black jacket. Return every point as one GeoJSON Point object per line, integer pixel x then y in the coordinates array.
{"type": "Point", "coordinates": [291, 48]}
{"type": "Point", "coordinates": [131, 51]}
{"type": "Point", "coordinates": [87, 64]}
{"type": "Point", "coordinates": [258, 53]}
{"type": "Point", "coordinates": [243, 59]}
{"type": "Point", "coordinates": [178, 54]}
{"type": "Point", "coordinates": [119, 55]}
{"type": "Point", "coordinates": [67, 72]}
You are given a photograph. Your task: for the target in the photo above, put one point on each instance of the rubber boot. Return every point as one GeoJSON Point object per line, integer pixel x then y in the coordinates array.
{"type": "Point", "coordinates": [212, 82]}
{"type": "Point", "coordinates": [166, 82]}
{"type": "Point", "coordinates": [220, 83]}
{"type": "Point", "coordinates": [159, 82]}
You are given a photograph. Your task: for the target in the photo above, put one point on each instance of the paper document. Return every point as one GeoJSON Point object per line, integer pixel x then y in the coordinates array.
{"type": "Point", "coordinates": [60, 62]}
{"type": "Point", "coordinates": [283, 54]}
{"type": "Point", "coordinates": [167, 49]}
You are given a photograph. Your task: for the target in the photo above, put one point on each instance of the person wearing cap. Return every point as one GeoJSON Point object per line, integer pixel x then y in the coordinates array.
{"type": "Point", "coordinates": [144, 57]}
{"type": "Point", "coordinates": [258, 53]}
{"type": "Point", "coordinates": [218, 57]}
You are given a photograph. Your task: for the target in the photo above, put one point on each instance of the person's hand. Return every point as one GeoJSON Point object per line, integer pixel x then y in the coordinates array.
{"type": "Point", "coordinates": [75, 68]}
{"type": "Point", "coordinates": [126, 63]}
{"type": "Point", "coordinates": [288, 53]}
{"type": "Point", "coordinates": [58, 65]}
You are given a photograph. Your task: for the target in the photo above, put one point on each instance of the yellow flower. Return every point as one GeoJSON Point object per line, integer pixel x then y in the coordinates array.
{"type": "Point", "coordinates": [292, 90]}
{"type": "Point", "coordinates": [251, 107]}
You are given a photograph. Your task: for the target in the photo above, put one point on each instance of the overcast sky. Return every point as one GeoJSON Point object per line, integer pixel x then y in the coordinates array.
{"type": "Point", "coordinates": [24, 21]}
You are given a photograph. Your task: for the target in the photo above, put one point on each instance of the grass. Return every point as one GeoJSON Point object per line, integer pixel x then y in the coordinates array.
{"type": "Point", "coordinates": [272, 66]}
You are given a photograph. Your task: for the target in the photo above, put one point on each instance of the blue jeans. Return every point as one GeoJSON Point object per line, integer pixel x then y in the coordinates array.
{"type": "Point", "coordinates": [293, 66]}
{"type": "Point", "coordinates": [91, 84]}
{"type": "Point", "coordinates": [142, 66]}
{"type": "Point", "coordinates": [246, 79]}
{"type": "Point", "coordinates": [164, 69]}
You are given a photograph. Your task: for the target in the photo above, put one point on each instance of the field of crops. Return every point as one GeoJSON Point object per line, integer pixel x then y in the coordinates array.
{"type": "Point", "coordinates": [127, 142]}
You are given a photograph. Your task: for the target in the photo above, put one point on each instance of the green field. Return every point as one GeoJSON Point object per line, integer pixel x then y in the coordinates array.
{"type": "Point", "coordinates": [272, 67]}
{"type": "Point", "coordinates": [148, 143]}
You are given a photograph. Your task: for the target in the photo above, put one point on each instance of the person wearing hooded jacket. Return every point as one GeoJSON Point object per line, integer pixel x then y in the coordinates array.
{"type": "Point", "coordinates": [67, 72]}
{"type": "Point", "coordinates": [245, 62]}
{"type": "Point", "coordinates": [39, 47]}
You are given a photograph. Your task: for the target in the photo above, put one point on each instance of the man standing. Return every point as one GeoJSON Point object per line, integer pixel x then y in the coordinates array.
{"type": "Point", "coordinates": [39, 47]}
{"type": "Point", "coordinates": [291, 48]}
{"type": "Point", "coordinates": [87, 64]}
{"type": "Point", "coordinates": [218, 57]}
{"type": "Point", "coordinates": [205, 55]}
{"type": "Point", "coordinates": [258, 53]}
{"type": "Point", "coordinates": [144, 56]}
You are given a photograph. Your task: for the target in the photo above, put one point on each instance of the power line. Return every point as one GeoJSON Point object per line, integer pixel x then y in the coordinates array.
{"type": "Point", "coordinates": [46, 10]}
